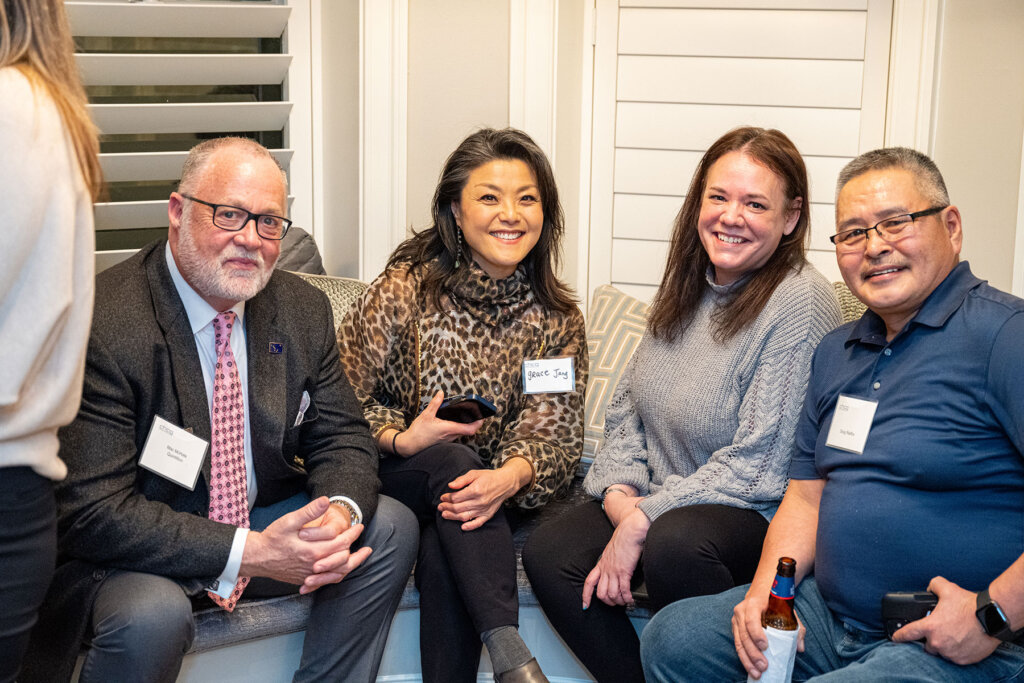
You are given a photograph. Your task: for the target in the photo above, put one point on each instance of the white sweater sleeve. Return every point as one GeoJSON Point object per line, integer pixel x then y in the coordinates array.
{"type": "Point", "coordinates": [46, 276]}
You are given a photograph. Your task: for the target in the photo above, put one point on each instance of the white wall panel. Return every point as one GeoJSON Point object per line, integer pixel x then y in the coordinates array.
{"type": "Point", "coordinates": [654, 125]}
{"type": "Point", "coordinates": [719, 80]}
{"type": "Point", "coordinates": [638, 262]}
{"type": "Point", "coordinates": [753, 4]}
{"type": "Point", "coordinates": [822, 173]}
{"type": "Point", "coordinates": [650, 171]}
{"type": "Point", "coordinates": [742, 33]}
{"type": "Point", "coordinates": [642, 292]}
{"type": "Point", "coordinates": [825, 261]}
{"type": "Point", "coordinates": [823, 224]}
{"type": "Point", "coordinates": [645, 217]}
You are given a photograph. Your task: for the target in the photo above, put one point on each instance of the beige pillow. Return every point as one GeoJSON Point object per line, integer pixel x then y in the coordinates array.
{"type": "Point", "coordinates": [615, 325]}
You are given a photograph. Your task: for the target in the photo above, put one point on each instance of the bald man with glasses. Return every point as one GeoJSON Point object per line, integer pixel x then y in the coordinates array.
{"type": "Point", "coordinates": [908, 473]}
{"type": "Point", "coordinates": [219, 452]}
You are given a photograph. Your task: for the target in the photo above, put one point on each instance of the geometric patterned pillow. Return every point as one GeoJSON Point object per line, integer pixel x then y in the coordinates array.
{"type": "Point", "coordinates": [340, 291]}
{"type": "Point", "coordinates": [614, 327]}
{"type": "Point", "coordinates": [850, 306]}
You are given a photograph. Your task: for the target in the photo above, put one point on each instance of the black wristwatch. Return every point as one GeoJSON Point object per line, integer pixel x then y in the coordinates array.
{"type": "Point", "coordinates": [993, 619]}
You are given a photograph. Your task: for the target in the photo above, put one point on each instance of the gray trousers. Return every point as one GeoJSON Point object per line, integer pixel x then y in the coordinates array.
{"type": "Point", "coordinates": [142, 624]}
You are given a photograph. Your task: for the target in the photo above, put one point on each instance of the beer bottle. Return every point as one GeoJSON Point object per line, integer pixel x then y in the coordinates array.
{"type": "Point", "coordinates": [780, 613]}
{"type": "Point", "coordinates": [780, 626]}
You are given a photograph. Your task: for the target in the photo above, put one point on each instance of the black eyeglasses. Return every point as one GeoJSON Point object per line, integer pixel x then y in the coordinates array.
{"type": "Point", "coordinates": [889, 229]}
{"type": "Point", "coordinates": [234, 218]}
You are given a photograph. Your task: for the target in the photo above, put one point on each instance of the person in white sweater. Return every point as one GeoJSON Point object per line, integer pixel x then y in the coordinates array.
{"type": "Point", "coordinates": [48, 181]}
{"type": "Point", "coordinates": [699, 433]}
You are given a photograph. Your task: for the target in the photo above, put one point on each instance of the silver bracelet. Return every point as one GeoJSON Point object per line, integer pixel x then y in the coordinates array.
{"type": "Point", "coordinates": [353, 514]}
{"type": "Point", "coordinates": [610, 489]}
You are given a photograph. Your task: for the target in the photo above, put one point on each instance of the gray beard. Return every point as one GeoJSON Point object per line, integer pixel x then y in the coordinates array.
{"type": "Point", "coordinates": [210, 279]}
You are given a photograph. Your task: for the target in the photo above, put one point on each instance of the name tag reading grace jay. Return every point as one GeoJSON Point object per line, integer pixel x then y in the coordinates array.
{"type": "Point", "coordinates": [549, 376]}
{"type": "Point", "coordinates": [173, 453]}
{"type": "Point", "coordinates": [851, 423]}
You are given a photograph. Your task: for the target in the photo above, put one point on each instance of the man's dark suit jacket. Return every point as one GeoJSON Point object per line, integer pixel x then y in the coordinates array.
{"type": "Point", "coordinates": [142, 362]}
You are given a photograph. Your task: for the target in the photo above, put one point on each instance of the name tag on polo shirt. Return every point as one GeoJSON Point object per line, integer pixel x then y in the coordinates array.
{"type": "Point", "coordinates": [173, 453]}
{"type": "Point", "coordinates": [549, 375]}
{"type": "Point", "coordinates": [851, 423]}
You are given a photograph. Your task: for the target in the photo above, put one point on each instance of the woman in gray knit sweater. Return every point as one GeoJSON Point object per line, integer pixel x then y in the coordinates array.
{"type": "Point", "coordinates": [699, 434]}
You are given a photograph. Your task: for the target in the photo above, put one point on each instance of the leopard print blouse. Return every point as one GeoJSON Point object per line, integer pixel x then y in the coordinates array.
{"type": "Point", "coordinates": [398, 349]}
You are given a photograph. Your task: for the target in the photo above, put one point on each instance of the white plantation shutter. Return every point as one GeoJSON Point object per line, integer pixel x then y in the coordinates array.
{"type": "Point", "coordinates": [164, 75]}
{"type": "Point", "coordinates": [671, 76]}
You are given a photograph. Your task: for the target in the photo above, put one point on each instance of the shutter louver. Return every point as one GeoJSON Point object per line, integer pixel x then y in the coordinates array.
{"type": "Point", "coordinates": [162, 76]}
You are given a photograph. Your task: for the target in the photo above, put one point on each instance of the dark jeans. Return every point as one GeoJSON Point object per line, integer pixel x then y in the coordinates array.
{"type": "Point", "coordinates": [466, 579]}
{"type": "Point", "coordinates": [28, 553]}
{"type": "Point", "coordinates": [694, 550]}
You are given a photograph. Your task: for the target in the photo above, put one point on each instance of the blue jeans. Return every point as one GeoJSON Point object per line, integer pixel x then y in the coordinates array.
{"type": "Point", "coordinates": [691, 640]}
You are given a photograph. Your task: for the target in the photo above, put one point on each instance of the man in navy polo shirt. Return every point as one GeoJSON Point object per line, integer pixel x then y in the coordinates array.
{"type": "Point", "coordinates": [908, 471]}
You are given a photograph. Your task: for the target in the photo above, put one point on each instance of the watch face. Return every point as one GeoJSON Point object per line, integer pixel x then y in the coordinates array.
{"type": "Point", "coordinates": [993, 618]}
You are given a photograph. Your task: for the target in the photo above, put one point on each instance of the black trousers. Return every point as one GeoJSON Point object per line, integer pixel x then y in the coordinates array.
{"type": "Point", "coordinates": [28, 554]}
{"type": "Point", "coordinates": [466, 579]}
{"type": "Point", "coordinates": [690, 551]}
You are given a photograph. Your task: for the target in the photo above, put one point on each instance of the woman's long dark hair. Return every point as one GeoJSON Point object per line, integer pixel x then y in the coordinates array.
{"type": "Point", "coordinates": [683, 285]}
{"type": "Point", "coordinates": [441, 240]}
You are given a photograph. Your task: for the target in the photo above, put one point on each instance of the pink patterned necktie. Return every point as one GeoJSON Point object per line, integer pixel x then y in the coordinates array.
{"type": "Point", "coordinates": [229, 501]}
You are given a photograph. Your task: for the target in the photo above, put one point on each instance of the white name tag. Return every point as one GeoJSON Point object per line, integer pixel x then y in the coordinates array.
{"type": "Point", "coordinates": [549, 376]}
{"type": "Point", "coordinates": [851, 423]}
{"type": "Point", "coordinates": [173, 453]}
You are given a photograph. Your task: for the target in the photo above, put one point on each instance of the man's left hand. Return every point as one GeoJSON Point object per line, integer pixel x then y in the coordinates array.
{"type": "Point", "coordinates": [952, 630]}
{"type": "Point", "coordinates": [333, 568]}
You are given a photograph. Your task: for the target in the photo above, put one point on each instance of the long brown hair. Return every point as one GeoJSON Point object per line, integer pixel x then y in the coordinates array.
{"type": "Point", "coordinates": [35, 37]}
{"type": "Point", "coordinates": [685, 280]}
{"type": "Point", "coordinates": [441, 240]}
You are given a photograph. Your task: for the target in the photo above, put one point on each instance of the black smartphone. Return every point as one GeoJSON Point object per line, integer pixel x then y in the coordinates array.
{"type": "Point", "coordinates": [466, 408]}
{"type": "Point", "coordinates": [899, 609]}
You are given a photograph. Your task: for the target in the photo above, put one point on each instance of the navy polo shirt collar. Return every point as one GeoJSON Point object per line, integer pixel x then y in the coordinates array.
{"type": "Point", "coordinates": [936, 310]}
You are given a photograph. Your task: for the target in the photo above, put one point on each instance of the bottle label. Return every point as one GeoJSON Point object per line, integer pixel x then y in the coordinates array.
{"type": "Point", "coordinates": [782, 587]}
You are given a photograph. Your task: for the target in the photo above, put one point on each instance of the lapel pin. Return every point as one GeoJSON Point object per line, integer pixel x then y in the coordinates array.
{"type": "Point", "coordinates": [276, 347]}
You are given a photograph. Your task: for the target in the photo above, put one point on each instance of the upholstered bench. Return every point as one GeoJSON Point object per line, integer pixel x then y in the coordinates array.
{"type": "Point", "coordinates": [615, 325]}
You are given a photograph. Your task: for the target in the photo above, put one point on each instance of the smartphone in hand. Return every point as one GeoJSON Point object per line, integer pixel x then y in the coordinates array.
{"type": "Point", "coordinates": [899, 609]}
{"type": "Point", "coordinates": [466, 408]}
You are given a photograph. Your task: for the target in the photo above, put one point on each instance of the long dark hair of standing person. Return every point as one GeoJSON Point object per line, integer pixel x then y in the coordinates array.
{"type": "Point", "coordinates": [685, 279]}
{"type": "Point", "coordinates": [444, 241]}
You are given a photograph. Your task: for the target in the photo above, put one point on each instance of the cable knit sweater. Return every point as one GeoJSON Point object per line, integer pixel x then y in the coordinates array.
{"type": "Point", "coordinates": [398, 349]}
{"type": "Point", "coordinates": [697, 421]}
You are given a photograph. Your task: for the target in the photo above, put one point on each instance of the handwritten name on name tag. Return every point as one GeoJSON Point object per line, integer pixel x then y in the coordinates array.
{"type": "Point", "coordinates": [549, 375]}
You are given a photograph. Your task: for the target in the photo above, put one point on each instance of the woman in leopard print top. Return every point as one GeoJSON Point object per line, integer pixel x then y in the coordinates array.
{"type": "Point", "coordinates": [458, 309]}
